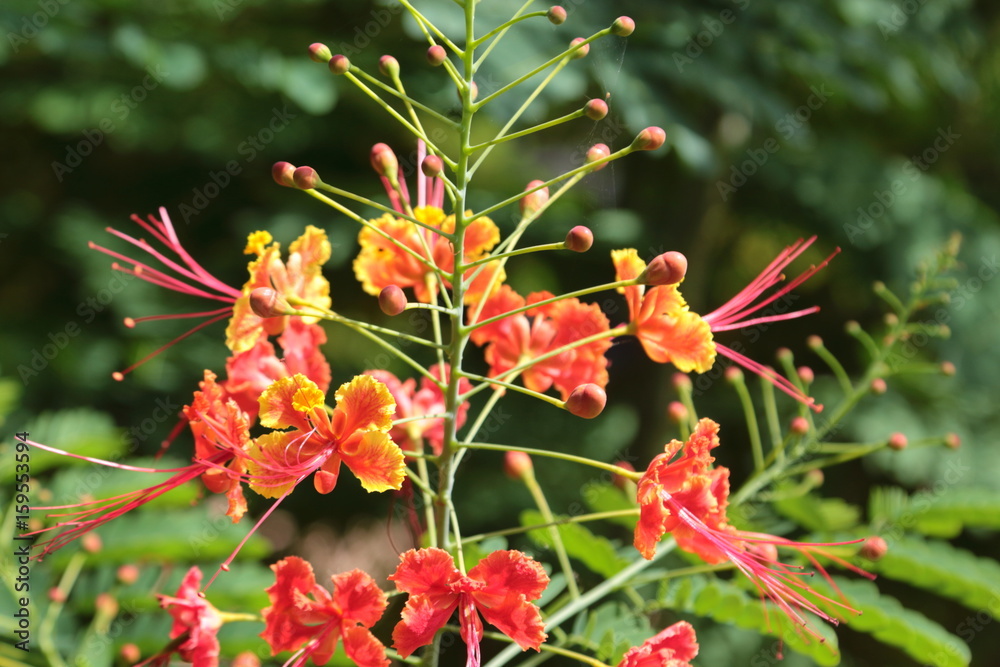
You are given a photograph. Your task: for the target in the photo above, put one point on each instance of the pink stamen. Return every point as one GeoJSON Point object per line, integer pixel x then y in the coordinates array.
{"type": "Point", "coordinates": [120, 375]}
{"type": "Point", "coordinates": [778, 381]}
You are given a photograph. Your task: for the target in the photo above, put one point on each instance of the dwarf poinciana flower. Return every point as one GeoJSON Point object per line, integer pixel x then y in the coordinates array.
{"type": "Point", "coordinates": [383, 262]}
{"type": "Point", "coordinates": [500, 588]}
{"type": "Point", "coordinates": [427, 400]}
{"type": "Point", "coordinates": [305, 618]}
{"type": "Point", "coordinates": [514, 340]}
{"type": "Point", "coordinates": [196, 624]}
{"type": "Point", "coordinates": [674, 646]}
{"type": "Point", "coordinates": [355, 434]}
{"type": "Point", "coordinates": [687, 497]}
{"type": "Point", "coordinates": [670, 332]}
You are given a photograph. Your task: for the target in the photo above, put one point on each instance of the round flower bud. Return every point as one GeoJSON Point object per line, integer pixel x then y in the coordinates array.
{"type": "Point", "coordinates": [436, 55]}
{"type": "Point", "coordinates": [56, 594]}
{"type": "Point", "coordinates": [388, 66]}
{"type": "Point", "coordinates": [852, 327]}
{"type": "Point", "coordinates": [733, 374]}
{"type": "Point", "coordinates": [282, 174]}
{"type": "Point", "coordinates": [815, 478]}
{"type": "Point", "coordinates": [533, 201]}
{"type": "Point", "coordinates": [339, 64]}
{"type": "Point", "coordinates": [319, 53]}
{"type": "Point", "coordinates": [556, 15]}
{"type": "Point", "coordinates": [128, 574]}
{"type": "Point", "coordinates": [306, 178]}
{"type": "Point", "coordinates": [586, 401]}
{"type": "Point", "coordinates": [91, 543]}
{"type": "Point", "coordinates": [873, 548]}
{"type": "Point", "coordinates": [878, 386]}
{"type": "Point", "coordinates": [621, 481]}
{"type": "Point", "coordinates": [623, 26]}
{"type": "Point", "coordinates": [897, 441]}
{"type": "Point", "coordinates": [383, 161]}
{"type": "Point", "coordinates": [391, 300]}
{"type": "Point", "coordinates": [947, 368]}
{"type": "Point", "coordinates": [580, 52]}
{"type": "Point", "coordinates": [517, 464]}
{"type": "Point", "coordinates": [677, 412]}
{"type": "Point", "coordinates": [806, 374]}
{"type": "Point", "coordinates": [666, 269]}
{"type": "Point", "coordinates": [595, 109]}
{"type": "Point", "coordinates": [814, 342]}
{"type": "Point", "coordinates": [130, 653]}
{"type": "Point", "coordinates": [432, 166]}
{"type": "Point", "coordinates": [783, 354]}
{"type": "Point", "coordinates": [681, 381]}
{"type": "Point", "coordinates": [266, 302]}
{"type": "Point", "coordinates": [598, 152]}
{"type": "Point", "coordinates": [246, 659]}
{"type": "Point", "coordinates": [579, 239]}
{"type": "Point", "coordinates": [106, 605]}
{"type": "Point", "coordinates": [473, 91]}
{"type": "Point", "coordinates": [649, 139]}
{"type": "Point", "coordinates": [799, 426]}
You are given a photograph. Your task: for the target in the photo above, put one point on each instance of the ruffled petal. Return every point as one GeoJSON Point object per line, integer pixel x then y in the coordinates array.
{"type": "Point", "coordinates": [358, 597]}
{"type": "Point", "coordinates": [516, 618]}
{"type": "Point", "coordinates": [674, 646]}
{"type": "Point", "coordinates": [628, 265]}
{"type": "Point", "coordinates": [363, 649]}
{"type": "Point", "coordinates": [375, 460]}
{"type": "Point", "coordinates": [287, 402]}
{"type": "Point", "coordinates": [683, 339]}
{"type": "Point", "coordinates": [428, 571]}
{"type": "Point", "coordinates": [301, 347]}
{"type": "Point", "coordinates": [367, 405]}
{"type": "Point", "coordinates": [511, 572]}
{"type": "Point", "coordinates": [422, 617]}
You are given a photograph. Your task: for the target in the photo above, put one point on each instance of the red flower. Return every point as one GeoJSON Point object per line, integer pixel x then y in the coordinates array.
{"type": "Point", "coordinates": [196, 623]}
{"type": "Point", "coordinates": [500, 588]}
{"type": "Point", "coordinates": [305, 618]}
{"type": "Point", "coordinates": [514, 340]}
{"type": "Point", "coordinates": [675, 646]}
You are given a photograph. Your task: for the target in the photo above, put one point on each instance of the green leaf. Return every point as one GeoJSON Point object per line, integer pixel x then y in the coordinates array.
{"type": "Point", "coordinates": [595, 552]}
{"type": "Point", "coordinates": [936, 512]}
{"type": "Point", "coordinates": [726, 602]}
{"type": "Point", "coordinates": [943, 569]}
{"type": "Point", "coordinates": [603, 497]}
{"type": "Point", "coordinates": [83, 432]}
{"type": "Point", "coordinates": [610, 630]}
{"type": "Point", "coordinates": [819, 514]}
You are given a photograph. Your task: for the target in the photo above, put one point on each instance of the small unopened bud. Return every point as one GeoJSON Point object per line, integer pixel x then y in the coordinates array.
{"type": "Point", "coordinates": [282, 174]}
{"type": "Point", "coordinates": [897, 441]}
{"type": "Point", "coordinates": [580, 52]}
{"type": "Point", "coordinates": [384, 161]}
{"type": "Point", "coordinates": [681, 381]}
{"type": "Point", "coordinates": [246, 659]}
{"type": "Point", "coordinates": [339, 64]}
{"type": "Point", "coordinates": [815, 478]}
{"type": "Point", "coordinates": [952, 441]}
{"type": "Point", "coordinates": [947, 368]}
{"type": "Point", "coordinates": [306, 178]}
{"type": "Point", "coordinates": [533, 201]}
{"type": "Point", "coordinates": [814, 342]}
{"type": "Point", "coordinates": [517, 464]}
{"type": "Point", "coordinates": [595, 109]}
{"type": "Point", "coordinates": [677, 412]}
{"type": "Point", "coordinates": [473, 91]}
{"type": "Point", "coordinates": [436, 55]}
{"type": "Point", "coordinates": [799, 426]}
{"type": "Point", "coordinates": [266, 302]}
{"type": "Point", "coordinates": [666, 269]}
{"type": "Point", "coordinates": [852, 327]}
{"type": "Point", "coordinates": [319, 52]}
{"type": "Point", "coordinates": [579, 239]}
{"type": "Point", "coordinates": [432, 166]}
{"type": "Point", "coordinates": [587, 401]}
{"type": "Point", "coordinates": [388, 66]}
{"type": "Point", "coordinates": [623, 26]}
{"type": "Point", "coordinates": [621, 481]}
{"type": "Point", "coordinates": [56, 594]}
{"type": "Point", "coordinates": [106, 605]}
{"type": "Point", "coordinates": [649, 139]}
{"type": "Point", "coordinates": [733, 374]}
{"type": "Point", "coordinates": [130, 653]}
{"type": "Point", "coordinates": [598, 152]}
{"type": "Point", "coordinates": [873, 548]}
{"type": "Point", "coordinates": [891, 319]}
{"type": "Point", "coordinates": [783, 354]}
{"type": "Point", "coordinates": [878, 386]}
{"type": "Point", "coordinates": [128, 574]}
{"type": "Point", "coordinates": [806, 374]}
{"type": "Point", "coordinates": [91, 543]}
{"type": "Point", "coordinates": [556, 15]}
{"type": "Point", "coordinates": [391, 300]}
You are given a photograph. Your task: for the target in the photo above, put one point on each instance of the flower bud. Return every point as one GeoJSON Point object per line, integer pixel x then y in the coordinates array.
{"type": "Point", "coordinates": [533, 201]}
{"type": "Point", "coordinates": [947, 368]}
{"type": "Point", "coordinates": [282, 174]}
{"type": "Point", "coordinates": [130, 653]}
{"type": "Point", "coordinates": [878, 386]}
{"type": "Point", "coordinates": [681, 381]}
{"type": "Point", "coordinates": [517, 464]}
{"type": "Point", "coordinates": [265, 302]}
{"type": "Point", "coordinates": [91, 543]}
{"type": "Point", "coordinates": [595, 109]}
{"type": "Point", "coordinates": [799, 426]}
{"type": "Point", "coordinates": [666, 269]}
{"type": "Point", "coordinates": [436, 55]}
{"type": "Point", "coordinates": [319, 53]}
{"type": "Point", "coordinates": [623, 26]}
{"type": "Point", "coordinates": [128, 574]}
{"type": "Point", "coordinates": [391, 300]}
{"type": "Point", "coordinates": [339, 64]}
{"type": "Point", "coordinates": [677, 412]}
{"type": "Point", "coordinates": [579, 239]}
{"type": "Point", "coordinates": [432, 166]}
{"type": "Point", "coordinates": [621, 481]}
{"type": "Point", "coordinates": [952, 441]}
{"type": "Point", "coordinates": [56, 594]}
{"type": "Point", "coordinates": [806, 374]}
{"type": "Point", "coordinates": [388, 66]}
{"type": "Point", "coordinates": [873, 548]}
{"type": "Point", "coordinates": [580, 52]}
{"type": "Point", "coordinates": [473, 91]}
{"type": "Point", "coordinates": [897, 441]}
{"type": "Point", "coordinates": [246, 659]}
{"type": "Point", "coordinates": [649, 139]}
{"type": "Point", "coordinates": [852, 327]}
{"type": "Point", "coordinates": [306, 178]}
{"type": "Point", "coordinates": [383, 161]}
{"type": "Point", "coordinates": [814, 342]}
{"type": "Point", "coordinates": [556, 15]}
{"type": "Point", "coordinates": [815, 478]}
{"type": "Point", "coordinates": [106, 605]}
{"type": "Point", "coordinates": [783, 354]}
{"type": "Point", "coordinates": [598, 152]}
{"type": "Point", "coordinates": [586, 401]}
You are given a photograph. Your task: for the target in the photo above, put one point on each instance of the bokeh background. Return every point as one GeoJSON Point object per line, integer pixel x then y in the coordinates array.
{"type": "Point", "coordinates": [869, 123]}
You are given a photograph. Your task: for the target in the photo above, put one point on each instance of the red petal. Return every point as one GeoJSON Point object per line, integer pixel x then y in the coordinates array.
{"type": "Point", "coordinates": [511, 572]}
{"type": "Point", "coordinates": [421, 619]}
{"type": "Point", "coordinates": [518, 619]}
{"type": "Point", "coordinates": [376, 461]}
{"type": "Point", "coordinates": [429, 571]}
{"type": "Point", "coordinates": [363, 648]}
{"type": "Point", "coordinates": [358, 597]}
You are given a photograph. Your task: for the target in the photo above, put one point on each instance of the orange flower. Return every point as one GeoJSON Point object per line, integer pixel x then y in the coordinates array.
{"type": "Point", "coordinates": [299, 278]}
{"type": "Point", "coordinates": [514, 340]}
{"type": "Point", "coordinates": [674, 646]}
{"type": "Point", "coordinates": [196, 624]}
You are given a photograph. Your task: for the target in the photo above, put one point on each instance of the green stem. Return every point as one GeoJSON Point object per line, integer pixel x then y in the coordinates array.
{"type": "Point", "coordinates": [579, 518]}
{"type": "Point", "coordinates": [543, 507]}
{"type": "Point", "coordinates": [630, 474]}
